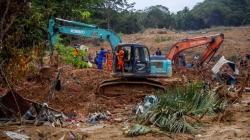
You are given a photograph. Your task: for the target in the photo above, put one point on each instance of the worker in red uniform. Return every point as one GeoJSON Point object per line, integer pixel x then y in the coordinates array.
{"type": "Point", "coordinates": [120, 56]}
{"type": "Point", "coordinates": [109, 61]}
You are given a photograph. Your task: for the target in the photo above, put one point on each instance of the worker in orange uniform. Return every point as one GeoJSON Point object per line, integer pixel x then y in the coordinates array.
{"type": "Point", "coordinates": [120, 56]}
{"type": "Point", "coordinates": [109, 60]}
{"type": "Point", "coordinates": [75, 54]}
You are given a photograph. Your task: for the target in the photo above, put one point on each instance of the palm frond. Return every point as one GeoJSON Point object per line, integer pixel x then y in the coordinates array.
{"type": "Point", "coordinates": [170, 111]}
{"type": "Point", "coordinates": [138, 129]}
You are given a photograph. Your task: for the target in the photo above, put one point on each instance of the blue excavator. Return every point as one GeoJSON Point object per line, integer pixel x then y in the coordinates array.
{"type": "Point", "coordinates": [140, 68]}
{"type": "Point", "coordinates": [138, 64]}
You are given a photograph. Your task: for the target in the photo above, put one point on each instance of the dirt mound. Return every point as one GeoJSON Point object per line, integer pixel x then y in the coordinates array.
{"type": "Point", "coordinates": [78, 92]}
{"type": "Point", "coordinates": [235, 45]}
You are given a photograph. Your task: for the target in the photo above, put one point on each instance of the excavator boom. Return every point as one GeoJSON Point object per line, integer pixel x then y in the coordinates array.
{"type": "Point", "coordinates": [137, 61]}
{"type": "Point", "coordinates": [138, 65]}
{"type": "Point", "coordinates": [80, 29]}
{"type": "Point", "coordinates": [212, 43]}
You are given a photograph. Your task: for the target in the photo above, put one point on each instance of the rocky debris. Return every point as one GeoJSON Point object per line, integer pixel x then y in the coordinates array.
{"type": "Point", "coordinates": [15, 108]}
{"type": "Point", "coordinates": [16, 136]}
{"type": "Point", "coordinates": [97, 116]}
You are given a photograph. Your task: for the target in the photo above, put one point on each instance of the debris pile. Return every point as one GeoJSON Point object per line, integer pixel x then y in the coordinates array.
{"type": "Point", "coordinates": [98, 116]}
{"type": "Point", "coordinates": [146, 104]}
{"type": "Point", "coordinates": [15, 109]}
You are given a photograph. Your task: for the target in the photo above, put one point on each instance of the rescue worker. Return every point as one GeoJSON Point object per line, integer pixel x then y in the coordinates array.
{"type": "Point", "coordinates": [96, 58]}
{"type": "Point", "coordinates": [109, 60]}
{"type": "Point", "coordinates": [100, 59]}
{"type": "Point", "coordinates": [158, 52]}
{"type": "Point", "coordinates": [120, 56]}
{"type": "Point", "coordinates": [182, 60]}
{"type": "Point", "coordinates": [76, 53]}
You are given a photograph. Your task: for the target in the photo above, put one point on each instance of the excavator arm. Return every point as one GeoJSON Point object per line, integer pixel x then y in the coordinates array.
{"type": "Point", "coordinates": [212, 43]}
{"type": "Point", "coordinates": [80, 29]}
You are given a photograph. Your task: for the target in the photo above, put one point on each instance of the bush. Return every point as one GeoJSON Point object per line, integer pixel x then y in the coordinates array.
{"type": "Point", "coordinates": [66, 54]}
{"type": "Point", "coordinates": [170, 113]}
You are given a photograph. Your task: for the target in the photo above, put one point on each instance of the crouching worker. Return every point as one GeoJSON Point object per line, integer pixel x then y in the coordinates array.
{"type": "Point", "coordinates": [120, 57]}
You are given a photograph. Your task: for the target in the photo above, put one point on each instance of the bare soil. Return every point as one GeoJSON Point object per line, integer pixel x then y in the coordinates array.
{"type": "Point", "coordinates": [232, 124]}
{"type": "Point", "coordinates": [236, 43]}
{"type": "Point", "coordinates": [78, 94]}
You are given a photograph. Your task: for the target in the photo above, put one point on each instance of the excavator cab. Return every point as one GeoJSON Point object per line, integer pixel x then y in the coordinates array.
{"type": "Point", "coordinates": [136, 60]}
{"type": "Point", "coordinates": [138, 70]}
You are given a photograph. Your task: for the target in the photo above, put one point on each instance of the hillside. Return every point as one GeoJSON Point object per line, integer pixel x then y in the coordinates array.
{"type": "Point", "coordinates": [57, 81]}
{"type": "Point", "coordinates": [236, 43]}
{"type": "Point", "coordinates": [78, 96]}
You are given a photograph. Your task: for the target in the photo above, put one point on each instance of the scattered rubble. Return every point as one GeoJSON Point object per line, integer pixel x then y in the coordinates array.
{"type": "Point", "coordinates": [16, 136]}
{"type": "Point", "coordinates": [96, 117]}
{"type": "Point", "coordinates": [15, 108]}
{"type": "Point", "coordinates": [76, 98]}
{"type": "Point", "coordinates": [146, 104]}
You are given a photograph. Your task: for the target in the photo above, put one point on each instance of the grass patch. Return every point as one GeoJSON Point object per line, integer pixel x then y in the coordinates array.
{"type": "Point", "coordinates": [159, 39]}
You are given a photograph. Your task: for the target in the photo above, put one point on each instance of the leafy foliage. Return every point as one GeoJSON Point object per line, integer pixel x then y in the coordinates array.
{"type": "Point", "coordinates": [23, 28]}
{"type": "Point", "coordinates": [204, 15]}
{"type": "Point", "coordinates": [170, 113]}
{"type": "Point", "coordinates": [66, 53]}
{"type": "Point", "coordinates": [23, 24]}
{"type": "Point", "coordinates": [138, 129]}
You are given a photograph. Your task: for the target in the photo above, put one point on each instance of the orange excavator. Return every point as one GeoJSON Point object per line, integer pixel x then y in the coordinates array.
{"type": "Point", "coordinates": [212, 44]}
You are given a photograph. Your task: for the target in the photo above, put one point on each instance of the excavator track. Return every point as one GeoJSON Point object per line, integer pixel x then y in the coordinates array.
{"type": "Point", "coordinates": [124, 86]}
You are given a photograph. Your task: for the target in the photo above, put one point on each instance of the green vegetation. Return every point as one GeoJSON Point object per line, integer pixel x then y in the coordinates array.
{"type": "Point", "coordinates": [175, 106]}
{"type": "Point", "coordinates": [23, 23]}
{"type": "Point", "coordinates": [159, 39]}
{"type": "Point", "coordinates": [67, 55]}
{"type": "Point", "coordinates": [209, 13]}
{"type": "Point", "coordinates": [23, 29]}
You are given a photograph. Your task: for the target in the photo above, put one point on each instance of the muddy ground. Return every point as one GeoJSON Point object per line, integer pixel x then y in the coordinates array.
{"type": "Point", "coordinates": [78, 97]}
{"type": "Point", "coordinates": [234, 125]}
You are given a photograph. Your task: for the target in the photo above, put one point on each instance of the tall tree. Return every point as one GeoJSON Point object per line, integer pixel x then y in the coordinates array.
{"type": "Point", "coordinates": [158, 17]}
{"type": "Point", "coordinates": [110, 8]}
{"type": "Point", "coordinates": [9, 12]}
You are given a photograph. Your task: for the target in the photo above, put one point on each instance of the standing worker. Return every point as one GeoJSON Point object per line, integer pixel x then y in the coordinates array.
{"type": "Point", "coordinates": [109, 60]}
{"type": "Point", "coordinates": [96, 58]}
{"type": "Point", "coordinates": [120, 56]}
{"type": "Point", "coordinates": [75, 54]}
{"type": "Point", "coordinates": [158, 51]}
{"type": "Point", "coordinates": [100, 59]}
{"type": "Point", "coordinates": [182, 60]}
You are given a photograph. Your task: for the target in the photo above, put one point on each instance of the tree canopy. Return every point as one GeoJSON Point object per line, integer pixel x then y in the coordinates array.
{"type": "Point", "coordinates": [204, 15]}
{"type": "Point", "coordinates": [24, 22]}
